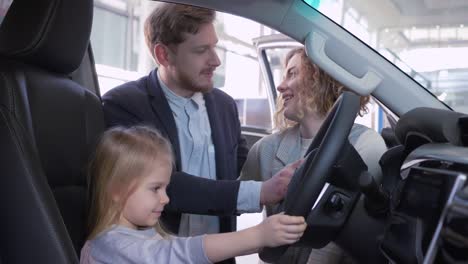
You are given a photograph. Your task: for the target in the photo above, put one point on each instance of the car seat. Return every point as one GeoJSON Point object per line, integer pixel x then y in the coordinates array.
{"type": "Point", "coordinates": [49, 125]}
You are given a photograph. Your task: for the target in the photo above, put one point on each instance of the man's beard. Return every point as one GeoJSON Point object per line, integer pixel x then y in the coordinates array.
{"type": "Point", "coordinates": [190, 85]}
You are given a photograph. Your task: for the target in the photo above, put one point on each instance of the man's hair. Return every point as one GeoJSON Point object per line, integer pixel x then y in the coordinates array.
{"type": "Point", "coordinates": [317, 91]}
{"type": "Point", "coordinates": [168, 23]}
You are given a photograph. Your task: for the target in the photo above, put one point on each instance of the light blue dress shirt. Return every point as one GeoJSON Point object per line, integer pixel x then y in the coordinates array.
{"type": "Point", "coordinates": [198, 158]}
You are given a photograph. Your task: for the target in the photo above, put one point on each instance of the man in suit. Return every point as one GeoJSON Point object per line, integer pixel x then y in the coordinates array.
{"type": "Point", "coordinates": [202, 124]}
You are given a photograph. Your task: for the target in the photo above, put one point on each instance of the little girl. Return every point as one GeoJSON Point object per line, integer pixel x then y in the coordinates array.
{"type": "Point", "coordinates": [129, 175]}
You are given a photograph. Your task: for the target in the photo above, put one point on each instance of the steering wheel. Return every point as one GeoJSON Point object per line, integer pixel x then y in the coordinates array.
{"type": "Point", "coordinates": [310, 178]}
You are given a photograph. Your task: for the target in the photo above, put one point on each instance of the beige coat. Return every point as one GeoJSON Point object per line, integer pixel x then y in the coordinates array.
{"type": "Point", "coordinates": [273, 152]}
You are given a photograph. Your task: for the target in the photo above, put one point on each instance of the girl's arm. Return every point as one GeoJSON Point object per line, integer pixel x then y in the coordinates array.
{"type": "Point", "coordinates": [274, 231]}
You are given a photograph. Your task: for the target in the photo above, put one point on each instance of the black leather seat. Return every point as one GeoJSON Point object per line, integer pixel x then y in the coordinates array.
{"type": "Point", "coordinates": [49, 125]}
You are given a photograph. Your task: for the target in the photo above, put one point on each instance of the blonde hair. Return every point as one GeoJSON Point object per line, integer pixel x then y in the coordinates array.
{"type": "Point", "coordinates": [317, 91]}
{"type": "Point", "coordinates": [122, 158]}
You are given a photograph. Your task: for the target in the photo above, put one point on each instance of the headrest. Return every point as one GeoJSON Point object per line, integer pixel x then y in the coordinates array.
{"type": "Point", "coordinates": [51, 34]}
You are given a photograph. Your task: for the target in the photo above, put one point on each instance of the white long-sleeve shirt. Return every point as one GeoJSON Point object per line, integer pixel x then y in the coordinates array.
{"type": "Point", "coordinates": [122, 245]}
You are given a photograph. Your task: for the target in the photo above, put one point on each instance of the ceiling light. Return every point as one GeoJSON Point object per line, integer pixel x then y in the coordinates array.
{"type": "Point", "coordinates": [442, 96]}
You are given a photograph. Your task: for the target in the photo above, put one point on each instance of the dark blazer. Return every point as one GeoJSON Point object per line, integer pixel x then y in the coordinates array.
{"type": "Point", "coordinates": [142, 102]}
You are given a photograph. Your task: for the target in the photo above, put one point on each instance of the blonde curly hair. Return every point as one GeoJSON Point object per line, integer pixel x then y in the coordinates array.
{"type": "Point", "coordinates": [317, 91]}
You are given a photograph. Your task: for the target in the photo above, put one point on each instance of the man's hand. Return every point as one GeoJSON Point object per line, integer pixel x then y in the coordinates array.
{"type": "Point", "coordinates": [274, 189]}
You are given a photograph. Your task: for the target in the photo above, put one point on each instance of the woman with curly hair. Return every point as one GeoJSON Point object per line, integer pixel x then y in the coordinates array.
{"type": "Point", "coordinates": [307, 94]}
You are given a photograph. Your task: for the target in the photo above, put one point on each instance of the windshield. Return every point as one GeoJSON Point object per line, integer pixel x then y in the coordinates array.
{"type": "Point", "coordinates": [427, 39]}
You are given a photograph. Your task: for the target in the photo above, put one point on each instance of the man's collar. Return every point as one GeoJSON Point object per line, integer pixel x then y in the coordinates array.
{"type": "Point", "coordinates": [170, 95]}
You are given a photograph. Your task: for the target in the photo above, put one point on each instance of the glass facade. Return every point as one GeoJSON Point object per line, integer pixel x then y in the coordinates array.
{"type": "Point", "coordinates": [425, 39]}
{"type": "Point", "coordinates": [108, 37]}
